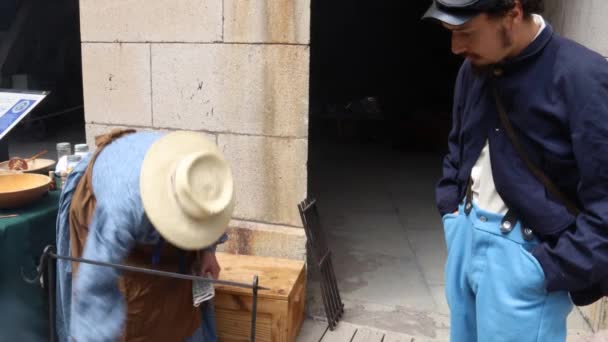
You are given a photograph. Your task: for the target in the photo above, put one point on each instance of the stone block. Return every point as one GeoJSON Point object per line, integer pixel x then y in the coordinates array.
{"type": "Point", "coordinates": [267, 21]}
{"type": "Point", "coordinates": [151, 20]}
{"type": "Point", "coordinates": [270, 177]}
{"type": "Point", "coordinates": [554, 14]}
{"type": "Point", "coordinates": [231, 88]}
{"type": "Point", "coordinates": [93, 130]}
{"type": "Point", "coordinates": [116, 83]}
{"type": "Point", "coordinates": [251, 238]}
{"type": "Point", "coordinates": [584, 21]}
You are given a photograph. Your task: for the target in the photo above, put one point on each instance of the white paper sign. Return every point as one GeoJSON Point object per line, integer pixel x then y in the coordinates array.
{"type": "Point", "coordinates": [15, 105]}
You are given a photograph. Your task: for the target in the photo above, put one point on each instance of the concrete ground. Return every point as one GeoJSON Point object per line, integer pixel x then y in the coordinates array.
{"type": "Point", "coordinates": [377, 207]}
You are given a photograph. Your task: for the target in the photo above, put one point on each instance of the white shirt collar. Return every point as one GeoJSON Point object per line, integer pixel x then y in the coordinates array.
{"type": "Point", "coordinates": [539, 20]}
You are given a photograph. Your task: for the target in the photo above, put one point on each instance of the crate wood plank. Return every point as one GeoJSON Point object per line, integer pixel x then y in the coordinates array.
{"type": "Point", "coordinates": [280, 310]}
{"type": "Point", "coordinates": [235, 326]}
{"type": "Point", "coordinates": [279, 275]}
{"type": "Point", "coordinates": [297, 309]}
{"type": "Point", "coordinates": [233, 313]}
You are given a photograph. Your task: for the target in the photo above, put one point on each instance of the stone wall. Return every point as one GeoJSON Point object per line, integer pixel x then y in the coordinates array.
{"type": "Point", "coordinates": [581, 20]}
{"type": "Point", "coordinates": [234, 70]}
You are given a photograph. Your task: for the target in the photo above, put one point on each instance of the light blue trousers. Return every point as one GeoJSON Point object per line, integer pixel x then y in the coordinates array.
{"type": "Point", "coordinates": [495, 287]}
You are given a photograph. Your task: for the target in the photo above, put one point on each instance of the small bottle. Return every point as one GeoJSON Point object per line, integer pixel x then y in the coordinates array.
{"type": "Point", "coordinates": [63, 149]}
{"type": "Point", "coordinates": [81, 150]}
{"type": "Point", "coordinates": [73, 160]}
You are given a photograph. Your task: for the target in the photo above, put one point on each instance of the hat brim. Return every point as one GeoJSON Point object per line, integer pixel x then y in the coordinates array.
{"type": "Point", "coordinates": [159, 202]}
{"type": "Point", "coordinates": [450, 18]}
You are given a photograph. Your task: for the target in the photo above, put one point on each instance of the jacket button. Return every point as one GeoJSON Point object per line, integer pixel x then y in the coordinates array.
{"type": "Point", "coordinates": [498, 72]}
{"type": "Point", "coordinates": [483, 219]}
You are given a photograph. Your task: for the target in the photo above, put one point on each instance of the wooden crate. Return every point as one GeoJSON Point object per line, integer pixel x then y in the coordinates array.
{"type": "Point", "coordinates": [280, 309]}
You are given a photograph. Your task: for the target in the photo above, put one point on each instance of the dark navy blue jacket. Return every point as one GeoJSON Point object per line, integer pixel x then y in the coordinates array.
{"type": "Point", "coordinates": [556, 96]}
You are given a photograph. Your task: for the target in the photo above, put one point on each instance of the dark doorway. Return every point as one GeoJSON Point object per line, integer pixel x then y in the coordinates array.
{"type": "Point", "coordinates": [381, 92]}
{"type": "Point", "coordinates": [40, 45]}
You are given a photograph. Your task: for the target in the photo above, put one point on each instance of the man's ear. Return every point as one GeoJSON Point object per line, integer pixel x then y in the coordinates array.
{"type": "Point", "coordinates": [516, 14]}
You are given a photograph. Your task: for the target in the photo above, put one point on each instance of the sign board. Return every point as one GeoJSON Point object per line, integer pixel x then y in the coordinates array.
{"type": "Point", "coordinates": [15, 105]}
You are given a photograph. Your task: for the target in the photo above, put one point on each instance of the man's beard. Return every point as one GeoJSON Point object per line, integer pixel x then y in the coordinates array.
{"type": "Point", "coordinates": [505, 40]}
{"type": "Point", "coordinates": [481, 69]}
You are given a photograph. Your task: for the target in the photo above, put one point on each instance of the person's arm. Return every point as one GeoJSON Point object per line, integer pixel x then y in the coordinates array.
{"type": "Point", "coordinates": [98, 307]}
{"type": "Point", "coordinates": [207, 260]}
{"type": "Point", "coordinates": [579, 256]}
{"type": "Point", "coordinates": [447, 190]}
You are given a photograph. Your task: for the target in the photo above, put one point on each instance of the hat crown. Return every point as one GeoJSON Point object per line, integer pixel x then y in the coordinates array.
{"type": "Point", "coordinates": [202, 184]}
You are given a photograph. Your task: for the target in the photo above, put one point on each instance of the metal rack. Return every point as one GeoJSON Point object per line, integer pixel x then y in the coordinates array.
{"type": "Point", "coordinates": [334, 307]}
{"type": "Point", "coordinates": [46, 275]}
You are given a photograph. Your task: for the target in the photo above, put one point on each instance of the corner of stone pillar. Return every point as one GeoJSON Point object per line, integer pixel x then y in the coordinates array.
{"type": "Point", "coordinates": [264, 239]}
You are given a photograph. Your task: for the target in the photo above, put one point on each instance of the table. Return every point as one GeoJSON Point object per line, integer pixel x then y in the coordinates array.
{"type": "Point", "coordinates": [23, 307]}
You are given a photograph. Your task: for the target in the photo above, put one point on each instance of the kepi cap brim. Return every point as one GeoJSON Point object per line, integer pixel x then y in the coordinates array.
{"type": "Point", "coordinates": [451, 18]}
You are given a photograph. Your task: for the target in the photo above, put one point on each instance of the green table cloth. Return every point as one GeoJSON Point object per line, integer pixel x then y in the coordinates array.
{"type": "Point", "coordinates": [23, 307]}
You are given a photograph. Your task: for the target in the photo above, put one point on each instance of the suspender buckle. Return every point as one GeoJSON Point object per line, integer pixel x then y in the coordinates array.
{"type": "Point", "coordinates": [508, 222]}
{"type": "Point", "coordinates": [527, 233]}
{"type": "Point", "coordinates": [506, 227]}
{"type": "Point", "coordinates": [467, 208]}
{"type": "Point", "coordinates": [468, 200]}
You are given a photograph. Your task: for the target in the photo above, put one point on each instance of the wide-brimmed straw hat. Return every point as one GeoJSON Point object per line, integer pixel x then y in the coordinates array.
{"type": "Point", "coordinates": [187, 190]}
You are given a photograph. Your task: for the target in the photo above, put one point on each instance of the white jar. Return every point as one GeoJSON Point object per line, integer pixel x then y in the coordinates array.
{"type": "Point", "coordinates": [81, 150]}
{"type": "Point", "coordinates": [63, 149]}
